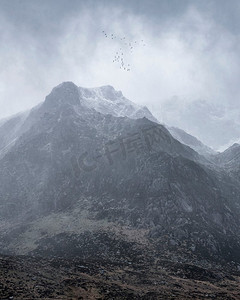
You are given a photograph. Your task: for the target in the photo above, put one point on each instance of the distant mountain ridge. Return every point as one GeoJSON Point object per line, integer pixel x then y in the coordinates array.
{"type": "Point", "coordinates": [187, 139]}
{"type": "Point", "coordinates": [213, 122]}
{"type": "Point", "coordinates": [230, 160]}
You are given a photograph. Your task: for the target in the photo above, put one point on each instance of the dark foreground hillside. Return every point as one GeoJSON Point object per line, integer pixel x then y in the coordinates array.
{"type": "Point", "coordinates": [54, 278]}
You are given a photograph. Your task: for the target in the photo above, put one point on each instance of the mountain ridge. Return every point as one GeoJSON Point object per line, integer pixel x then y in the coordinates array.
{"type": "Point", "coordinates": [120, 171]}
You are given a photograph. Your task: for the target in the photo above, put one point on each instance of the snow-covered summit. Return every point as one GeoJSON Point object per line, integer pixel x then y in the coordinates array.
{"type": "Point", "coordinates": [107, 100]}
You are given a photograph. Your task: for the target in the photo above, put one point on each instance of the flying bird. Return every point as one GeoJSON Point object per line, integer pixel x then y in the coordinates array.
{"type": "Point", "coordinates": [122, 54]}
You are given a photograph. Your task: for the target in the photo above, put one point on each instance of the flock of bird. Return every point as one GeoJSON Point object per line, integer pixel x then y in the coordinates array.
{"type": "Point", "coordinates": [127, 47]}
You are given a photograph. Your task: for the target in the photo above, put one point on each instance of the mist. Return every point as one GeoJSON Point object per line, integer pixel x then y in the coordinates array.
{"type": "Point", "coordinates": [191, 55]}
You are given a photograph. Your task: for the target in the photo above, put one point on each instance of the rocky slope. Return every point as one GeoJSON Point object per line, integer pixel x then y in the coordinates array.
{"type": "Point", "coordinates": [229, 160]}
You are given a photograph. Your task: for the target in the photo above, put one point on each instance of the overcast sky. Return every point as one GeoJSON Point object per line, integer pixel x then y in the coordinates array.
{"type": "Point", "coordinates": [192, 52]}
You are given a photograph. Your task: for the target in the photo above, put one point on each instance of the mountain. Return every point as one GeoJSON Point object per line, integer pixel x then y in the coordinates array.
{"type": "Point", "coordinates": [77, 182]}
{"type": "Point", "coordinates": [105, 100]}
{"type": "Point", "coordinates": [189, 140]}
{"type": "Point", "coordinates": [64, 128]}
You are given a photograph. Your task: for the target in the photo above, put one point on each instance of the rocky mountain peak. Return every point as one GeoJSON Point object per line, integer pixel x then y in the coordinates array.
{"type": "Point", "coordinates": [106, 92]}
{"type": "Point", "coordinates": [65, 93]}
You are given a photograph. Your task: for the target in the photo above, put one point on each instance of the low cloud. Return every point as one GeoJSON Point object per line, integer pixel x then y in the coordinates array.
{"type": "Point", "coordinates": [191, 56]}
